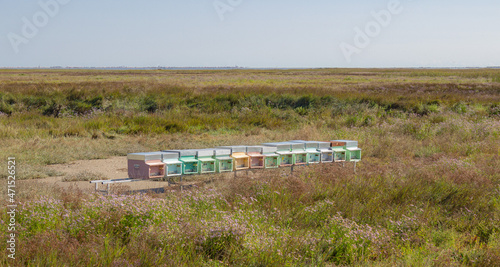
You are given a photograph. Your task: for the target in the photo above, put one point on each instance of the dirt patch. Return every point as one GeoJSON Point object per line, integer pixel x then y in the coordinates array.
{"type": "Point", "coordinates": [112, 168]}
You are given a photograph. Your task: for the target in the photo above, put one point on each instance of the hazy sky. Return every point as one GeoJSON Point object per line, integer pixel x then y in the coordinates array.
{"type": "Point", "coordinates": [250, 33]}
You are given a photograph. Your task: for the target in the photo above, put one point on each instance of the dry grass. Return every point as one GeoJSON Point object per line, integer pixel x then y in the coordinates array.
{"type": "Point", "coordinates": [83, 176]}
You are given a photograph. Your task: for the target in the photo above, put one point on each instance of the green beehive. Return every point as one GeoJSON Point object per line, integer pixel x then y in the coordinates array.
{"type": "Point", "coordinates": [300, 153]}
{"type": "Point", "coordinates": [223, 160]}
{"type": "Point", "coordinates": [190, 165]}
{"type": "Point", "coordinates": [352, 151]}
{"type": "Point", "coordinates": [174, 165]}
{"type": "Point", "coordinates": [287, 158]}
{"type": "Point", "coordinates": [271, 160]}
{"type": "Point", "coordinates": [206, 159]}
{"type": "Point", "coordinates": [311, 147]}
{"type": "Point", "coordinates": [339, 154]}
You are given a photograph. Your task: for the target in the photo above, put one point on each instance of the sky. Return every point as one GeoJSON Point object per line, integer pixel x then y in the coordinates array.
{"type": "Point", "coordinates": [250, 33]}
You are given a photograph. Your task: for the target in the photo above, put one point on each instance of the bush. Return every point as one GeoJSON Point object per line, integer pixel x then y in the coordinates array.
{"type": "Point", "coordinates": [34, 102]}
{"type": "Point", "coordinates": [459, 108]}
{"type": "Point", "coordinates": [149, 104]}
{"type": "Point", "coordinates": [5, 108]}
{"type": "Point", "coordinates": [52, 109]}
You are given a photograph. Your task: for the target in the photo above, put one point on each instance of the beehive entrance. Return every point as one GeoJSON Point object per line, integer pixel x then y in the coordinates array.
{"type": "Point", "coordinates": [286, 160]}
{"type": "Point", "coordinates": [257, 162]}
{"type": "Point", "coordinates": [355, 155]}
{"type": "Point", "coordinates": [241, 163]}
{"type": "Point", "coordinates": [207, 166]}
{"type": "Point", "coordinates": [300, 159]}
{"type": "Point", "coordinates": [271, 162]}
{"type": "Point", "coordinates": [174, 169]}
{"type": "Point", "coordinates": [190, 167]}
{"type": "Point", "coordinates": [225, 165]}
{"type": "Point", "coordinates": [339, 156]}
{"type": "Point", "coordinates": [156, 171]}
{"type": "Point", "coordinates": [327, 157]}
{"type": "Point", "coordinates": [313, 158]}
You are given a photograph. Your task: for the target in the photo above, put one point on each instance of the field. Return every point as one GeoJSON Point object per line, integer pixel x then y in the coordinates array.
{"type": "Point", "coordinates": [427, 192]}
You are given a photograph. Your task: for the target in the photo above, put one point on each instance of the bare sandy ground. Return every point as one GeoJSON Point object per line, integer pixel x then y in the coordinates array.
{"type": "Point", "coordinates": [112, 168]}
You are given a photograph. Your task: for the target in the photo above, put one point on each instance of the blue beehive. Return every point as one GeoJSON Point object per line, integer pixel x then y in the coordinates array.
{"type": "Point", "coordinates": [173, 164]}
{"type": "Point", "coordinates": [190, 165]}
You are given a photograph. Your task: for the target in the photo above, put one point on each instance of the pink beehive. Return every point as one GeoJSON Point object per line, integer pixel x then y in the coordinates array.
{"type": "Point", "coordinates": [145, 165]}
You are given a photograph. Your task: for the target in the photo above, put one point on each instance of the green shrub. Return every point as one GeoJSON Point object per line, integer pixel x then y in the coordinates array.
{"type": "Point", "coordinates": [34, 102]}
{"type": "Point", "coordinates": [6, 108]}
{"type": "Point", "coordinates": [459, 108]}
{"type": "Point", "coordinates": [174, 127]}
{"type": "Point", "coordinates": [148, 104]}
{"type": "Point", "coordinates": [52, 109]}
{"type": "Point", "coordinates": [80, 107]}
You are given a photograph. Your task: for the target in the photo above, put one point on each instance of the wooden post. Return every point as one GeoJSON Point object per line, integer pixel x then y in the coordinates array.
{"type": "Point", "coordinates": [355, 167]}
{"type": "Point", "coordinates": [108, 190]}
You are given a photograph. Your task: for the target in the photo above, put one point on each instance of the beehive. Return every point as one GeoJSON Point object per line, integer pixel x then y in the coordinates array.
{"type": "Point", "coordinates": [326, 152]}
{"type": "Point", "coordinates": [300, 153]}
{"type": "Point", "coordinates": [339, 154]}
{"type": "Point", "coordinates": [190, 165]}
{"type": "Point", "coordinates": [346, 150]}
{"type": "Point", "coordinates": [145, 165]}
{"type": "Point", "coordinates": [241, 161]}
{"type": "Point", "coordinates": [287, 158]}
{"type": "Point", "coordinates": [257, 159]}
{"type": "Point", "coordinates": [223, 160]}
{"type": "Point", "coordinates": [353, 152]}
{"type": "Point", "coordinates": [311, 147]}
{"type": "Point", "coordinates": [173, 164]}
{"type": "Point", "coordinates": [272, 160]}
{"type": "Point", "coordinates": [206, 159]}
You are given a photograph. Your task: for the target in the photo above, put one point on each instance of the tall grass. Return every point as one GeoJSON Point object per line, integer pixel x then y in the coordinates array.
{"type": "Point", "coordinates": [324, 214]}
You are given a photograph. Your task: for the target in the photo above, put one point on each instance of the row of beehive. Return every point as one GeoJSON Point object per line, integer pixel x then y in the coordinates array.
{"type": "Point", "coordinates": [169, 163]}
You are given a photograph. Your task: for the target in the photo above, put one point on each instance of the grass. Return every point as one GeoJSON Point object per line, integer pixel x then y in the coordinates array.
{"type": "Point", "coordinates": [84, 176]}
{"type": "Point", "coordinates": [427, 191]}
